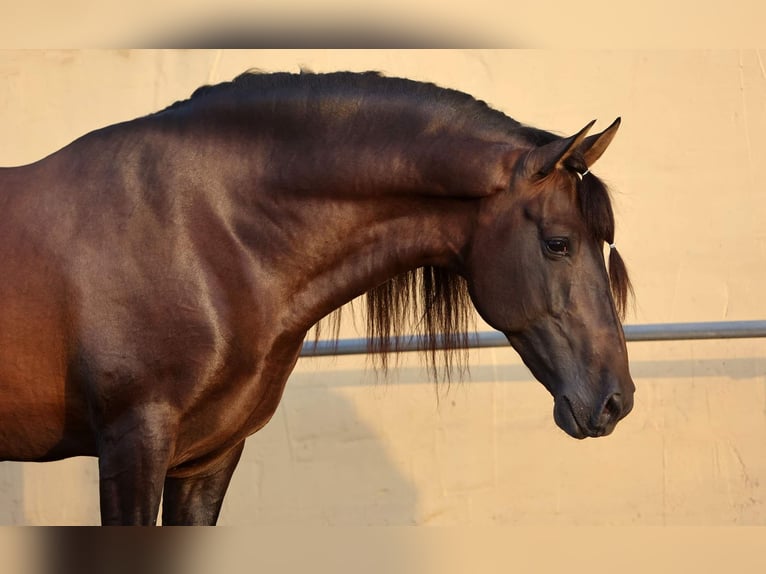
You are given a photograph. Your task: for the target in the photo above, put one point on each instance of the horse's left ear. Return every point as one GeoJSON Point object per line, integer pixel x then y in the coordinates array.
{"type": "Point", "coordinates": [593, 146]}
{"type": "Point", "coordinates": [543, 160]}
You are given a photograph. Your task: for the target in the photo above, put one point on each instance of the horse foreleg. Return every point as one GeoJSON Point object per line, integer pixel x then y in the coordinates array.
{"type": "Point", "coordinates": [197, 499]}
{"type": "Point", "coordinates": [133, 459]}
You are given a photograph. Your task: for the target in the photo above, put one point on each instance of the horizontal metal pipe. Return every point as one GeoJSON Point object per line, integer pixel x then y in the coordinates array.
{"type": "Point", "coordinates": [686, 331]}
{"type": "Point", "coordinates": [653, 332]}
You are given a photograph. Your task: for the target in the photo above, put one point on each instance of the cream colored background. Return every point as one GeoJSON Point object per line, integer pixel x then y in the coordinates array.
{"type": "Point", "coordinates": [346, 449]}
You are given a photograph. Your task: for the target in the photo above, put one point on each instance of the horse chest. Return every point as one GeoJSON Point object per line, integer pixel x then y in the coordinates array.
{"type": "Point", "coordinates": [236, 407]}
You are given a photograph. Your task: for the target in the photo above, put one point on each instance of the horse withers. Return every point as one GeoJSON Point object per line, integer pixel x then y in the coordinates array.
{"type": "Point", "coordinates": [159, 275]}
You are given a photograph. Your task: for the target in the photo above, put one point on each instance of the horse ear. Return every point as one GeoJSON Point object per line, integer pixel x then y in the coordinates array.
{"type": "Point", "coordinates": [544, 159]}
{"type": "Point", "coordinates": [593, 146]}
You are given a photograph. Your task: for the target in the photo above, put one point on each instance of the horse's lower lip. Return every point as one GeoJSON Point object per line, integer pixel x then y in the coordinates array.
{"type": "Point", "coordinates": [564, 416]}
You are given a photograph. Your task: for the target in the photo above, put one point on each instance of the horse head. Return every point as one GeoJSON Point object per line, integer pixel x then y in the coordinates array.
{"type": "Point", "coordinates": [537, 272]}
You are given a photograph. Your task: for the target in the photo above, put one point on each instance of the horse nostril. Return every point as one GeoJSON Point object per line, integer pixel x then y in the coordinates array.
{"type": "Point", "coordinates": [610, 414]}
{"type": "Point", "coordinates": [613, 406]}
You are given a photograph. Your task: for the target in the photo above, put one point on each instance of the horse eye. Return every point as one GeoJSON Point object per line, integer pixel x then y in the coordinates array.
{"type": "Point", "coordinates": [558, 245]}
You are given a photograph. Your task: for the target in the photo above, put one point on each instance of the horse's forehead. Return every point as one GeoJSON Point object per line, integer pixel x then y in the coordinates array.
{"type": "Point", "coordinates": [557, 196]}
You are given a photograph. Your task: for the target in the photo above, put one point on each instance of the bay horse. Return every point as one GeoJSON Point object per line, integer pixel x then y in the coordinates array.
{"type": "Point", "coordinates": [160, 275]}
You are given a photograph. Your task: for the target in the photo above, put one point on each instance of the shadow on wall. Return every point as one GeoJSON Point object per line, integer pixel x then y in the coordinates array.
{"type": "Point", "coordinates": [317, 462]}
{"type": "Point", "coordinates": [512, 371]}
{"type": "Point", "coordinates": [11, 493]}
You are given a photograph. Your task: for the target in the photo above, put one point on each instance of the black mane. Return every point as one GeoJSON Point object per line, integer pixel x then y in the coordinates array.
{"type": "Point", "coordinates": [452, 105]}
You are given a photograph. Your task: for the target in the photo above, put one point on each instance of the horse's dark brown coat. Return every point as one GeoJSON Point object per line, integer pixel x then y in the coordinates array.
{"type": "Point", "coordinates": [160, 275]}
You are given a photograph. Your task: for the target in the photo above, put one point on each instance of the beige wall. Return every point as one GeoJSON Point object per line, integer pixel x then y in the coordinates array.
{"type": "Point", "coordinates": [343, 449]}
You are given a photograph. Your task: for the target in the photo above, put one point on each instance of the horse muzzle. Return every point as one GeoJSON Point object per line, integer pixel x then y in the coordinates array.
{"type": "Point", "coordinates": [580, 422]}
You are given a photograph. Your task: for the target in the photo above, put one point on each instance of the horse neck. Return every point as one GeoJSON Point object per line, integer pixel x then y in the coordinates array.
{"type": "Point", "coordinates": [331, 206]}
{"type": "Point", "coordinates": [349, 218]}
{"type": "Point", "coordinates": [339, 248]}
{"type": "Point", "coordinates": [385, 151]}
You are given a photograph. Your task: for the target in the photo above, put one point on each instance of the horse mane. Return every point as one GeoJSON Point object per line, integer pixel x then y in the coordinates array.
{"type": "Point", "coordinates": [596, 208]}
{"type": "Point", "coordinates": [429, 302]}
{"type": "Point", "coordinates": [453, 107]}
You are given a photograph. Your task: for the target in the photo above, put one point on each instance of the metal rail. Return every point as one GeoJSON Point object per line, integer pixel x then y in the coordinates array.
{"type": "Point", "coordinates": [652, 332]}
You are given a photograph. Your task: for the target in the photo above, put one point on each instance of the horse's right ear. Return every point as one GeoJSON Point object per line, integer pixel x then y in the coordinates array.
{"type": "Point", "coordinates": [543, 160]}
{"type": "Point", "coordinates": [593, 146]}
